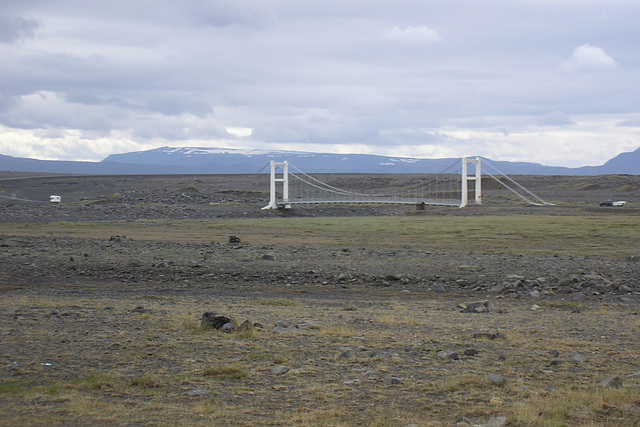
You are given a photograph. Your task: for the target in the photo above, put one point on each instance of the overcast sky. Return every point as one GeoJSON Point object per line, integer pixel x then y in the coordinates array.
{"type": "Point", "coordinates": [547, 81]}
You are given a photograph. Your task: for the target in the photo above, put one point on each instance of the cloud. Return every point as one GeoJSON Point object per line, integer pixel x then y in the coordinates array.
{"type": "Point", "coordinates": [223, 13]}
{"type": "Point", "coordinates": [7, 102]}
{"type": "Point", "coordinates": [556, 118]}
{"type": "Point", "coordinates": [630, 123]}
{"type": "Point", "coordinates": [166, 119]}
{"type": "Point", "coordinates": [355, 76]}
{"type": "Point", "coordinates": [15, 28]}
{"type": "Point", "coordinates": [589, 58]}
{"type": "Point", "coordinates": [421, 34]}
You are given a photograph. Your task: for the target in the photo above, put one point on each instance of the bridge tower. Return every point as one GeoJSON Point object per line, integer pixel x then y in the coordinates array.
{"type": "Point", "coordinates": [273, 198]}
{"type": "Point", "coordinates": [466, 178]}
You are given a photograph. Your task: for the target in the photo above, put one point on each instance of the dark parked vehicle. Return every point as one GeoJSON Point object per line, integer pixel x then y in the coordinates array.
{"type": "Point", "coordinates": [609, 203]}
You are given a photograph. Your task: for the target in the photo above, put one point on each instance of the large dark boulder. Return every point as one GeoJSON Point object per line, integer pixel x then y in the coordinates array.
{"type": "Point", "coordinates": [216, 321]}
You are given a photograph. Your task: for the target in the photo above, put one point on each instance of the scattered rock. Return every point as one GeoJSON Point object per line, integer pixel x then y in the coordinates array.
{"type": "Point", "coordinates": [234, 240]}
{"type": "Point", "coordinates": [307, 324]}
{"type": "Point", "coordinates": [376, 353]}
{"type": "Point", "coordinates": [497, 422]}
{"type": "Point", "coordinates": [141, 310]}
{"type": "Point", "coordinates": [490, 335]}
{"type": "Point", "coordinates": [216, 321]}
{"type": "Point", "coordinates": [613, 286]}
{"type": "Point", "coordinates": [282, 324]}
{"type": "Point", "coordinates": [613, 381]}
{"type": "Point", "coordinates": [578, 358]}
{"type": "Point", "coordinates": [198, 393]}
{"type": "Point", "coordinates": [448, 355]}
{"type": "Point", "coordinates": [280, 370]}
{"type": "Point", "coordinates": [497, 379]}
{"type": "Point", "coordinates": [498, 288]}
{"type": "Point", "coordinates": [463, 421]}
{"type": "Point", "coordinates": [471, 352]}
{"type": "Point", "coordinates": [483, 306]}
{"type": "Point", "coordinates": [228, 328]}
{"type": "Point", "coordinates": [440, 288]}
{"type": "Point", "coordinates": [269, 257]}
{"type": "Point", "coordinates": [453, 355]}
{"type": "Point", "coordinates": [279, 359]}
{"type": "Point", "coordinates": [496, 401]}
{"type": "Point", "coordinates": [396, 380]}
{"type": "Point", "coordinates": [245, 326]}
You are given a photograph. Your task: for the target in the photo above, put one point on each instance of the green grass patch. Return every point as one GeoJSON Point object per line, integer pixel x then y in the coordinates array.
{"type": "Point", "coordinates": [15, 390]}
{"type": "Point", "coordinates": [53, 389]}
{"type": "Point", "coordinates": [12, 389]}
{"type": "Point", "coordinates": [146, 381]}
{"type": "Point", "coordinates": [99, 381]}
{"type": "Point", "coordinates": [539, 234]}
{"type": "Point", "coordinates": [586, 186]}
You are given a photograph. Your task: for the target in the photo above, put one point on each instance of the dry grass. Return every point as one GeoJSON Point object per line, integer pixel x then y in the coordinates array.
{"type": "Point", "coordinates": [375, 363]}
{"type": "Point", "coordinates": [230, 372]}
{"type": "Point", "coordinates": [146, 378]}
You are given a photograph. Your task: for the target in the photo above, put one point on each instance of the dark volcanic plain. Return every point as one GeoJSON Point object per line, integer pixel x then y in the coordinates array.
{"type": "Point", "coordinates": [101, 298]}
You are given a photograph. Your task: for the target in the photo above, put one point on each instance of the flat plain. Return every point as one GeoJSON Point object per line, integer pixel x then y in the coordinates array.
{"type": "Point", "coordinates": [500, 314]}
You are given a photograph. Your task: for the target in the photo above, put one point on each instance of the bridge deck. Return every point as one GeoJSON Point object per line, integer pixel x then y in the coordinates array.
{"type": "Point", "coordinates": [372, 202]}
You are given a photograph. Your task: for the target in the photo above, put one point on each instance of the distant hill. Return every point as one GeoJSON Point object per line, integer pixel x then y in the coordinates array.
{"type": "Point", "coordinates": [168, 160]}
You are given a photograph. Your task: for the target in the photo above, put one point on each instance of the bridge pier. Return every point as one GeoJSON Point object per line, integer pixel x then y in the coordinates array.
{"type": "Point", "coordinates": [464, 202]}
{"type": "Point", "coordinates": [273, 196]}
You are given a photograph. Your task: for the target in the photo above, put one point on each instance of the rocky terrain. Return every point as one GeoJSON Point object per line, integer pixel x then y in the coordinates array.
{"type": "Point", "coordinates": [102, 327]}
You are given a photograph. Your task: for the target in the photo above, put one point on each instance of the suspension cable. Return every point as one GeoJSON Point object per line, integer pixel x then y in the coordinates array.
{"type": "Point", "coordinates": [320, 187]}
{"type": "Point", "coordinates": [520, 186]}
{"type": "Point", "coordinates": [514, 191]}
{"type": "Point", "coordinates": [335, 189]}
{"type": "Point", "coordinates": [263, 168]}
{"type": "Point", "coordinates": [445, 187]}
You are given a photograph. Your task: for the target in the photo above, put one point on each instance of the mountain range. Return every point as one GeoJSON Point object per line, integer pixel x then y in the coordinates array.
{"type": "Point", "coordinates": [183, 160]}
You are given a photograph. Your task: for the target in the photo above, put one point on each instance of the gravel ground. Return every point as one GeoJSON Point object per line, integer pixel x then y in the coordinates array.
{"type": "Point", "coordinates": [358, 332]}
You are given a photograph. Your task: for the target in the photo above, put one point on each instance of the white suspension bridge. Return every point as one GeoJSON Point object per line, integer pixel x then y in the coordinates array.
{"type": "Point", "coordinates": [290, 186]}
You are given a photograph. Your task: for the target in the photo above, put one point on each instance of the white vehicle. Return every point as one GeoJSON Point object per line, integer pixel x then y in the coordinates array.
{"type": "Point", "coordinates": [55, 199]}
